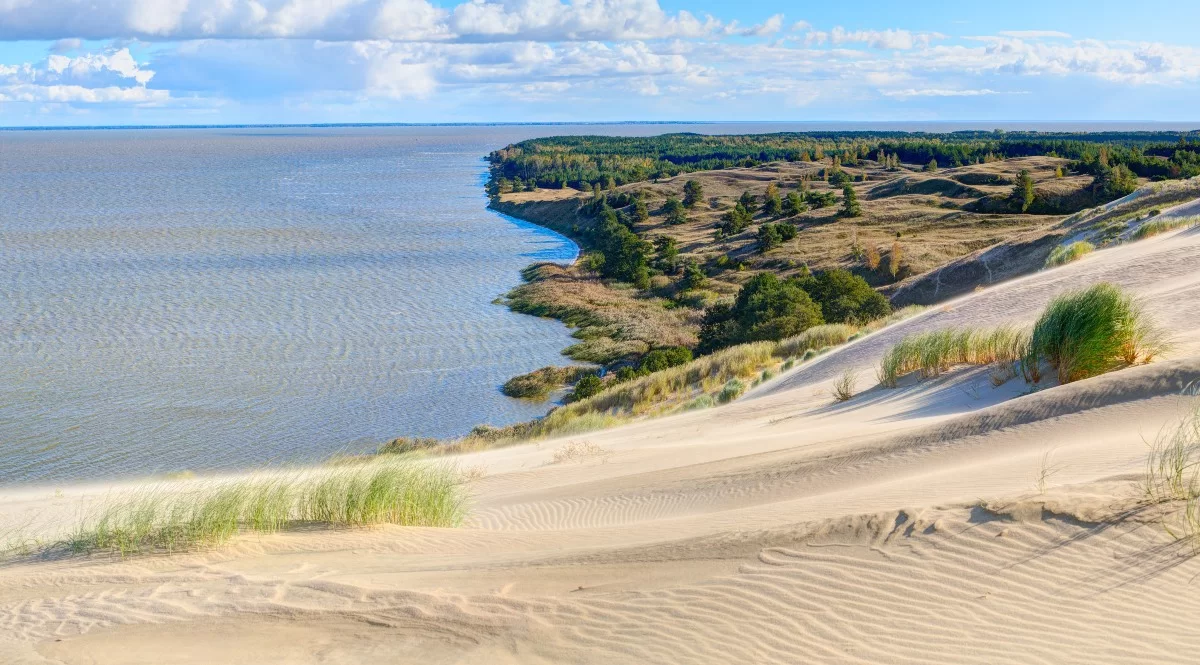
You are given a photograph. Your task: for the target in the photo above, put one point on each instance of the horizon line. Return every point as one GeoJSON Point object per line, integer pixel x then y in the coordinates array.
{"type": "Point", "coordinates": [993, 123]}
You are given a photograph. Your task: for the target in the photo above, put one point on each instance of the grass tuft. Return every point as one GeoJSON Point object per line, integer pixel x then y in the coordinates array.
{"type": "Point", "coordinates": [1087, 333]}
{"type": "Point", "coordinates": [732, 390]}
{"type": "Point", "coordinates": [171, 518]}
{"type": "Point", "coordinates": [1159, 226]}
{"type": "Point", "coordinates": [1173, 476]}
{"type": "Point", "coordinates": [1065, 254]}
{"type": "Point", "coordinates": [933, 353]}
{"type": "Point", "coordinates": [843, 388]}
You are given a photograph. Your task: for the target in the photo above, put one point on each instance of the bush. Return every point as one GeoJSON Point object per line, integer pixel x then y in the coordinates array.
{"type": "Point", "coordinates": [1090, 332]}
{"type": "Point", "coordinates": [732, 390]}
{"type": "Point", "coordinates": [586, 387]}
{"type": "Point", "coordinates": [766, 308]}
{"type": "Point", "coordinates": [1063, 255]}
{"type": "Point", "coordinates": [538, 383]}
{"type": "Point", "coordinates": [660, 359]}
{"type": "Point", "coordinates": [408, 444]}
{"type": "Point", "coordinates": [845, 297]}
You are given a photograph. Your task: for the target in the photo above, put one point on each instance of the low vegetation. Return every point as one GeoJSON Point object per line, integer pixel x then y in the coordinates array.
{"type": "Point", "coordinates": [933, 353]}
{"type": "Point", "coordinates": [175, 517]}
{"type": "Point", "coordinates": [1079, 335]}
{"type": "Point", "coordinates": [1065, 254]}
{"type": "Point", "coordinates": [843, 387]}
{"type": "Point", "coordinates": [539, 383]}
{"type": "Point", "coordinates": [1159, 226]}
{"type": "Point", "coordinates": [1087, 333]}
{"type": "Point", "coordinates": [1173, 477]}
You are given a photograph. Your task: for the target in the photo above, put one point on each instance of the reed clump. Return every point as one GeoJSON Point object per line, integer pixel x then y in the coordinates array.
{"type": "Point", "coordinates": [175, 517]}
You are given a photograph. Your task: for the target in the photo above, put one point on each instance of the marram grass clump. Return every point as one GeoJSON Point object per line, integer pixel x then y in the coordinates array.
{"type": "Point", "coordinates": [174, 517]}
{"type": "Point", "coordinates": [1065, 254]}
{"type": "Point", "coordinates": [1087, 333]}
{"type": "Point", "coordinates": [1080, 334]}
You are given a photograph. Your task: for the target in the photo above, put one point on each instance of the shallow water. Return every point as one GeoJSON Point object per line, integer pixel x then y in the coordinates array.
{"type": "Point", "coordinates": [203, 299]}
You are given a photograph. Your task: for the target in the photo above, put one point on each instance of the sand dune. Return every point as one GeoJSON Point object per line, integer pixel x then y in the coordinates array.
{"type": "Point", "coordinates": [904, 526]}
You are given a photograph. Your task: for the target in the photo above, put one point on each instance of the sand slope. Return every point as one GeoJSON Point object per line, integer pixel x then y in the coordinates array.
{"type": "Point", "coordinates": [905, 526]}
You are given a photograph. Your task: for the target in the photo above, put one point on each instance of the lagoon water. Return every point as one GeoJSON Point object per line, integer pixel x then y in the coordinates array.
{"type": "Point", "coordinates": [208, 299]}
{"type": "Point", "coordinates": [220, 298]}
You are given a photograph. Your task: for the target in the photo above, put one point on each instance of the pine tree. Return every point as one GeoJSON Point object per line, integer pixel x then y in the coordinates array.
{"type": "Point", "coordinates": [772, 205]}
{"type": "Point", "coordinates": [932, 166]}
{"type": "Point", "coordinates": [693, 192]}
{"type": "Point", "coordinates": [1023, 193]}
{"type": "Point", "coordinates": [850, 204]}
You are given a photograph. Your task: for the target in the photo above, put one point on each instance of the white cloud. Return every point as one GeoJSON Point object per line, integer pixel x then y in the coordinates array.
{"type": "Point", "coordinates": [348, 20]}
{"type": "Point", "coordinates": [110, 76]}
{"type": "Point", "coordinates": [884, 39]}
{"type": "Point", "coordinates": [1035, 34]}
{"type": "Point", "coordinates": [937, 92]}
{"type": "Point", "coordinates": [765, 29]}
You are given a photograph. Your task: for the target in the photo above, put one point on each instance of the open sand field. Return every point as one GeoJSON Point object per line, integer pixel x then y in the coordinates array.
{"type": "Point", "coordinates": [903, 526]}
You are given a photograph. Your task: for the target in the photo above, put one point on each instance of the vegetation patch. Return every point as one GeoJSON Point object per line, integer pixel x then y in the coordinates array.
{"type": "Point", "coordinates": [1087, 333]}
{"type": "Point", "coordinates": [1079, 335]}
{"type": "Point", "coordinates": [539, 383]}
{"type": "Point", "coordinates": [178, 517]}
{"type": "Point", "coordinates": [1065, 254]}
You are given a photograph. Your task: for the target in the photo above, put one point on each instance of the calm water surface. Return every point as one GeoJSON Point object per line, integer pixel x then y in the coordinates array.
{"type": "Point", "coordinates": [206, 299]}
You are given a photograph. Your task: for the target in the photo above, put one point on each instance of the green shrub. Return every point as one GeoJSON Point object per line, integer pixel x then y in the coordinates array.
{"type": "Point", "coordinates": [538, 383]}
{"type": "Point", "coordinates": [408, 444]}
{"type": "Point", "coordinates": [1063, 255]}
{"type": "Point", "coordinates": [732, 390]}
{"type": "Point", "coordinates": [1086, 333]}
{"type": "Point", "coordinates": [586, 387]}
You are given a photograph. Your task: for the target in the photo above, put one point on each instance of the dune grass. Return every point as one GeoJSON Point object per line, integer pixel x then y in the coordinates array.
{"type": "Point", "coordinates": [1079, 335]}
{"type": "Point", "coordinates": [933, 353]}
{"type": "Point", "coordinates": [1173, 476]}
{"type": "Point", "coordinates": [1065, 254]}
{"type": "Point", "coordinates": [843, 387]}
{"type": "Point", "coordinates": [1159, 226]}
{"type": "Point", "coordinates": [173, 517]}
{"type": "Point", "coordinates": [1087, 333]}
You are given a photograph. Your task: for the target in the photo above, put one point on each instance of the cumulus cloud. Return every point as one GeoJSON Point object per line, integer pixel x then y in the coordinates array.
{"type": "Point", "coordinates": [110, 76]}
{"type": "Point", "coordinates": [884, 39]}
{"type": "Point", "coordinates": [765, 29]}
{"type": "Point", "coordinates": [348, 20]}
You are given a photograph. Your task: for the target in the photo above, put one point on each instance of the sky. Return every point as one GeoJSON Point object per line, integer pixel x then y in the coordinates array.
{"type": "Point", "coordinates": [155, 62]}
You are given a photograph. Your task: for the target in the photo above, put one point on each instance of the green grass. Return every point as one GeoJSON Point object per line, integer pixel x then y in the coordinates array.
{"type": "Point", "coordinates": [1173, 476]}
{"type": "Point", "coordinates": [1065, 254]}
{"type": "Point", "coordinates": [1080, 334]}
{"type": "Point", "coordinates": [1087, 333]}
{"type": "Point", "coordinates": [174, 517]}
{"type": "Point", "coordinates": [933, 353]}
{"type": "Point", "coordinates": [732, 390]}
{"type": "Point", "coordinates": [1158, 226]}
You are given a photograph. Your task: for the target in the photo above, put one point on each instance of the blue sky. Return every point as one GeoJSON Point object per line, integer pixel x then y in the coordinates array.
{"type": "Point", "coordinates": [89, 62]}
